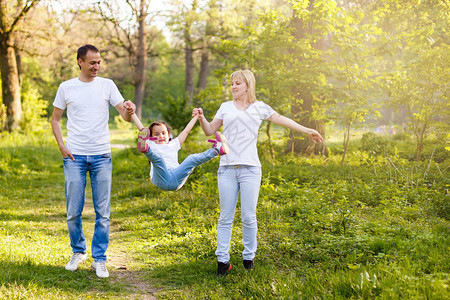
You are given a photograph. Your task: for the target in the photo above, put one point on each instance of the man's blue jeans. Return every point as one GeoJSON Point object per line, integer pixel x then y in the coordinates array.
{"type": "Point", "coordinates": [100, 173]}
{"type": "Point", "coordinates": [173, 179]}
{"type": "Point", "coordinates": [232, 180]}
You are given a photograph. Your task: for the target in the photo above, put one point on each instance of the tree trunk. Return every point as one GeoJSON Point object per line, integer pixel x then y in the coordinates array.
{"type": "Point", "coordinates": [419, 138]}
{"type": "Point", "coordinates": [301, 144]}
{"type": "Point", "coordinates": [189, 55]}
{"type": "Point", "coordinates": [346, 141]}
{"type": "Point", "coordinates": [8, 63]}
{"type": "Point", "coordinates": [269, 138]}
{"type": "Point", "coordinates": [141, 67]}
{"type": "Point", "coordinates": [304, 110]}
{"type": "Point", "coordinates": [204, 65]}
{"type": "Point", "coordinates": [10, 85]}
{"type": "Point", "coordinates": [189, 80]}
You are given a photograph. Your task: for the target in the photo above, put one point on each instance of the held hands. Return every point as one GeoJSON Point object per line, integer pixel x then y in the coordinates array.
{"type": "Point", "coordinates": [130, 107]}
{"type": "Point", "coordinates": [315, 136]}
{"type": "Point", "coordinates": [197, 112]}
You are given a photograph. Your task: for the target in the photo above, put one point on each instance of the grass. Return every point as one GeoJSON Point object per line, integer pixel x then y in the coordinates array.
{"type": "Point", "coordinates": [374, 228]}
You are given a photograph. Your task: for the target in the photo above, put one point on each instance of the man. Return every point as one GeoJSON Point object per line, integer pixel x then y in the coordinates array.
{"type": "Point", "coordinates": [87, 149]}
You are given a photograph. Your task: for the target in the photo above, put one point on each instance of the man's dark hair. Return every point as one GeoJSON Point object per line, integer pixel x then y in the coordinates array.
{"type": "Point", "coordinates": [82, 51]}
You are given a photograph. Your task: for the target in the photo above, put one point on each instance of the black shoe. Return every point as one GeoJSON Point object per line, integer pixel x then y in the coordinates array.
{"type": "Point", "coordinates": [223, 268]}
{"type": "Point", "coordinates": [248, 264]}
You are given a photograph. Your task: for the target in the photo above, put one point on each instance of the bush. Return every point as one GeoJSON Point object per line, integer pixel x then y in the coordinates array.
{"type": "Point", "coordinates": [376, 145]}
{"type": "Point", "coordinates": [436, 151]}
{"type": "Point", "coordinates": [210, 100]}
{"type": "Point", "coordinates": [175, 112]}
{"type": "Point", "coordinates": [34, 111]}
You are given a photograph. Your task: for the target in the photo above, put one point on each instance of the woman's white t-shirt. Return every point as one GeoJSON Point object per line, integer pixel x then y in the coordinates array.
{"type": "Point", "coordinates": [241, 128]}
{"type": "Point", "coordinates": [87, 105]}
{"type": "Point", "coordinates": [168, 151]}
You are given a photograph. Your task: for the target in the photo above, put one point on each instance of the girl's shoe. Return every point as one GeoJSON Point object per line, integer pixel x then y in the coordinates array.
{"type": "Point", "coordinates": [143, 137]}
{"type": "Point", "coordinates": [220, 144]}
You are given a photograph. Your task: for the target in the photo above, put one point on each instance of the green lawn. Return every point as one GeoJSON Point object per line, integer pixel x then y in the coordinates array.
{"type": "Point", "coordinates": [374, 228]}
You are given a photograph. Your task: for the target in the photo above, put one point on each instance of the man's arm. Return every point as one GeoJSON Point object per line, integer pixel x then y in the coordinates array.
{"type": "Point", "coordinates": [57, 132]}
{"type": "Point", "coordinates": [126, 109]}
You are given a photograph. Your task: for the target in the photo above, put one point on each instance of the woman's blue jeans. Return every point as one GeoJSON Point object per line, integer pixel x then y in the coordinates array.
{"type": "Point", "coordinates": [100, 173]}
{"type": "Point", "coordinates": [231, 180]}
{"type": "Point", "coordinates": [173, 179]}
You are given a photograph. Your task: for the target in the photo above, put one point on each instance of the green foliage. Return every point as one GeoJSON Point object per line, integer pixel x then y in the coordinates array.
{"type": "Point", "coordinates": [175, 111]}
{"type": "Point", "coordinates": [376, 144]}
{"type": "Point", "coordinates": [352, 75]}
{"type": "Point", "coordinates": [121, 124]}
{"type": "Point", "coordinates": [42, 79]}
{"type": "Point", "coordinates": [418, 83]}
{"type": "Point", "coordinates": [373, 228]}
{"type": "Point", "coordinates": [209, 100]}
{"type": "Point", "coordinates": [34, 112]}
{"type": "Point", "coordinates": [281, 63]}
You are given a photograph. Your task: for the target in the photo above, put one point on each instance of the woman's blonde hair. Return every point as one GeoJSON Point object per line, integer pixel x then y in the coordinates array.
{"type": "Point", "coordinates": [249, 79]}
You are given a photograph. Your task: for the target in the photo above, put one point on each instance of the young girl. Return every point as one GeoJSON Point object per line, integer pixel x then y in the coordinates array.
{"type": "Point", "coordinates": [162, 152]}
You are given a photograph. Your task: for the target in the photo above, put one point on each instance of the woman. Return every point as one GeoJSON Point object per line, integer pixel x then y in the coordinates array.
{"type": "Point", "coordinates": [240, 169]}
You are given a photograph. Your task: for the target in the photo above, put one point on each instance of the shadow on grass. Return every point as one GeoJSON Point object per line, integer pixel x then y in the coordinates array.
{"type": "Point", "coordinates": [187, 273]}
{"type": "Point", "coordinates": [198, 279]}
{"type": "Point", "coordinates": [53, 217]}
{"type": "Point", "coordinates": [48, 277]}
{"type": "Point", "coordinates": [45, 276]}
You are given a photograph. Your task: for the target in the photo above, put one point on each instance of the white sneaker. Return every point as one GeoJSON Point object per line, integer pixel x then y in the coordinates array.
{"type": "Point", "coordinates": [100, 269]}
{"type": "Point", "coordinates": [75, 260]}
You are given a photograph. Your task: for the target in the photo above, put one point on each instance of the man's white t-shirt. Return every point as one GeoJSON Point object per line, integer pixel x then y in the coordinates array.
{"type": "Point", "coordinates": [241, 127]}
{"type": "Point", "coordinates": [168, 151]}
{"type": "Point", "coordinates": [87, 105]}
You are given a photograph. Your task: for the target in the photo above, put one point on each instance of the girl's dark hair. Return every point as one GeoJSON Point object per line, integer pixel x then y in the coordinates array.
{"type": "Point", "coordinates": [161, 123]}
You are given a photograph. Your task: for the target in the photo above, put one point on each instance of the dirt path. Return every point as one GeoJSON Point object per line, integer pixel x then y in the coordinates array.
{"type": "Point", "coordinates": [118, 261]}
{"type": "Point", "coordinates": [120, 146]}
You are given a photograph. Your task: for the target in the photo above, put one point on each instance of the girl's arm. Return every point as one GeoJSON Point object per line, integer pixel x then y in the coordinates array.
{"type": "Point", "coordinates": [183, 135]}
{"type": "Point", "coordinates": [291, 124]}
{"type": "Point", "coordinates": [209, 128]}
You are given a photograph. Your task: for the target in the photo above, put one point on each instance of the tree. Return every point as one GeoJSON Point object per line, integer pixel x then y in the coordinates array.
{"type": "Point", "coordinates": [130, 31]}
{"type": "Point", "coordinates": [422, 88]}
{"type": "Point", "coordinates": [200, 27]}
{"type": "Point", "coordinates": [289, 61]}
{"type": "Point", "coordinates": [311, 29]}
{"type": "Point", "coordinates": [352, 76]}
{"type": "Point", "coordinates": [418, 79]}
{"type": "Point", "coordinates": [10, 18]}
{"type": "Point", "coordinates": [189, 23]}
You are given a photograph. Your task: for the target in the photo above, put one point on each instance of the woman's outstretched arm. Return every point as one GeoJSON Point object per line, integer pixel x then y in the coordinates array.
{"type": "Point", "coordinates": [278, 119]}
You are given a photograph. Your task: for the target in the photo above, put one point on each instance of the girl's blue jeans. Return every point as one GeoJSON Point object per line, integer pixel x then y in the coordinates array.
{"type": "Point", "coordinates": [173, 179]}
{"type": "Point", "coordinates": [231, 180]}
{"type": "Point", "coordinates": [100, 173]}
